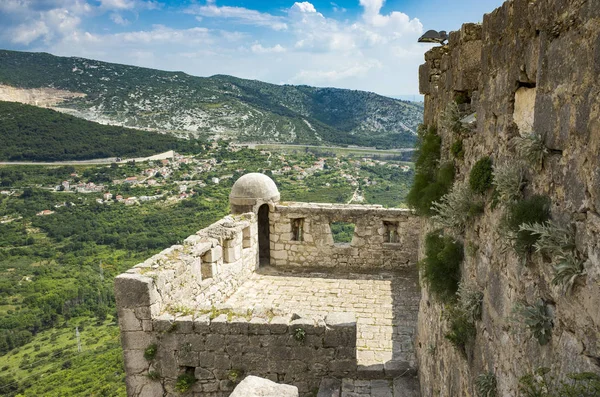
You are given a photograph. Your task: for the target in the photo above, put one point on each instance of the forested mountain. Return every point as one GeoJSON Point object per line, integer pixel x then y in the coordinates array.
{"type": "Point", "coordinates": [29, 133]}
{"type": "Point", "coordinates": [245, 110]}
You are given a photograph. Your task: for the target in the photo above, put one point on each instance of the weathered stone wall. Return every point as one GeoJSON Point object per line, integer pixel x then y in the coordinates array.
{"type": "Point", "coordinates": [368, 249]}
{"type": "Point", "coordinates": [195, 276]}
{"type": "Point", "coordinates": [219, 351]}
{"type": "Point", "coordinates": [531, 66]}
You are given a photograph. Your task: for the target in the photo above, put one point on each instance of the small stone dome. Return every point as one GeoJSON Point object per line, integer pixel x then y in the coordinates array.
{"type": "Point", "coordinates": [252, 189]}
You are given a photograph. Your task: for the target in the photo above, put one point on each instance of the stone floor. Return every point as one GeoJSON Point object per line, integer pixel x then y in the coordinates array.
{"type": "Point", "coordinates": [385, 304]}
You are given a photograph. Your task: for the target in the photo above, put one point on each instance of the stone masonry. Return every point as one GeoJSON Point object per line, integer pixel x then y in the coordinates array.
{"type": "Point", "coordinates": [211, 311]}
{"type": "Point", "coordinates": [530, 67]}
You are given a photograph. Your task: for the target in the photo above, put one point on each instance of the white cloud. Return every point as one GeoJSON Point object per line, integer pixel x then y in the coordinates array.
{"type": "Point", "coordinates": [374, 51]}
{"type": "Point", "coordinates": [328, 76]}
{"type": "Point", "coordinates": [118, 19]}
{"type": "Point", "coordinates": [122, 5]}
{"type": "Point", "coordinates": [238, 14]}
{"type": "Point", "coordinates": [259, 49]}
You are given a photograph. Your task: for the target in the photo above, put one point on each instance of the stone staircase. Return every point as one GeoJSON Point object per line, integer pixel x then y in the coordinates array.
{"type": "Point", "coordinates": [402, 386]}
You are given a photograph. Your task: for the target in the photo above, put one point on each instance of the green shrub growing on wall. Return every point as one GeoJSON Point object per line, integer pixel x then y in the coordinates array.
{"type": "Point", "coordinates": [541, 383]}
{"type": "Point", "coordinates": [559, 243]}
{"type": "Point", "coordinates": [509, 179]}
{"type": "Point", "coordinates": [481, 176]}
{"type": "Point", "coordinates": [536, 318]}
{"type": "Point", "coordinates": [441, 265]}
{"type": "Point", "coordinates": [457, 149]}
{"type": "Point", "coordinates": [485, 384]}
{"type": "Point", "coordinates": [531, 148]}
{"type": "Point", "coordinates": [432, 180]}
{"type": "Point", "coordinates": [532, 210]}
{"type": "Point", "coordinates": [450, 119]}
{"type": "Point", "coordinates": [185, 382]}
{"type": "Point", "coordinates": [150, 352]}
{"type": "Point", "coordinates": [462, 329]}
{"type": "Point", "coordinates": [456, 208]}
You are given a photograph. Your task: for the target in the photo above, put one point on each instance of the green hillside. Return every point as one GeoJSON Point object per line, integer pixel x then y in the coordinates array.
{"type": "Point", "coordinates": [224, 106]}
{"type": "Point", "coordinates": [29, 133]}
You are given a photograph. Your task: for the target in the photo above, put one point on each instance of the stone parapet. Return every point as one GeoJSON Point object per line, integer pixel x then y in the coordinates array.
{"type": "Point", "coordinates": [384, 238]}
{"type": "Point", "coordinates": [220, 347]}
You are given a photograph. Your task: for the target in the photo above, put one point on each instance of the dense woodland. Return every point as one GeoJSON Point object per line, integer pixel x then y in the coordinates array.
{"type": "Point", "coordinates": [29, 133]}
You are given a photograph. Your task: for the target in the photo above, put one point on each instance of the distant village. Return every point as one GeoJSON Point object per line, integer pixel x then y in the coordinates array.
{"type": "Point", "coordinates": [186, 175]}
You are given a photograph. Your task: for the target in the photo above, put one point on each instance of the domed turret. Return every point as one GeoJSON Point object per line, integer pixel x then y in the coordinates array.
{"type": "Point", "coordinates": [251, 191]}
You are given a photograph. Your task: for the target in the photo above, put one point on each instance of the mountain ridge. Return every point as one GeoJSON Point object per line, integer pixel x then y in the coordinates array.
{"type": "Point", "coordinates": [216, 106]}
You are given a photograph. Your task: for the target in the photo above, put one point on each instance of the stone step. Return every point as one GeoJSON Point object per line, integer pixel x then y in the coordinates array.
{"type": "Point", "coordinates": [389, 370]}
{"type": "Point", "coordinates": [403, 386]}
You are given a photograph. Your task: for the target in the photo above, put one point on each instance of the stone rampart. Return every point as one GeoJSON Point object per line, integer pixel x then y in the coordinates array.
{"type": "Point", "coordinates": [531, 67]}
{"type": "Point", "coordinates": [383, 238]}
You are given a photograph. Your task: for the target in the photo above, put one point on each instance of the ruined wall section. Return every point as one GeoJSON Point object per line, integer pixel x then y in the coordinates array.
{"type": "Point", "coordinates": [536, 70]}
{"type": "Point", "coordinates": [218, 350]}
{"type": "Point", "coordinates": [384, 238]}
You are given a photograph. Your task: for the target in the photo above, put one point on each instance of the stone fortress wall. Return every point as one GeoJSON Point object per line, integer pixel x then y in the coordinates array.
{"type": "Point", "coordinates": [174, 318]}
{"type": "Point", "coordinates": [383, 238]}
{"type": "Point", "coordinates": [532, 66]}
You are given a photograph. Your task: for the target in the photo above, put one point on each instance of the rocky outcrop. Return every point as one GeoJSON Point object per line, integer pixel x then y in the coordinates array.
{"type": "Point", "coordinates": [531, 67]}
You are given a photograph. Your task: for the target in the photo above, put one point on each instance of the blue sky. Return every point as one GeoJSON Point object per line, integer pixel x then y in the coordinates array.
{"type": "Point", "coordinates": [357, 44]}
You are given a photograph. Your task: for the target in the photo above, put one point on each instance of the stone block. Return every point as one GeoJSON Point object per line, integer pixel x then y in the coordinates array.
{"type": "Point", "coordinates": [232, 254]}
{"type": "Point", "coordinates": [137, 340]}
{"type": "Point", "coordinates": [184, 325]}
{"type": "Point", "coordinates": [135, 363]}
{"type": "Point", "coordinates": [213, 255]}
{"type": "Point", "coordinates": [163, 323]}
{"type": "Point", "coordinates": [340, 319]}
{"type": "Point", "coordinates": [218, 325]}
{"type": "Point", "coordinates": [128, 320]}
{"type": "Point", "coordinates": [202, 324]}
{"type": "Point", "coordinates": [279, 325]}
{"type": "Point", "coordinates": [342, 366]}
{"type": "Point", "coordinates": [133, 290]}
{"type": "Point", "coordinates": [203, 374]}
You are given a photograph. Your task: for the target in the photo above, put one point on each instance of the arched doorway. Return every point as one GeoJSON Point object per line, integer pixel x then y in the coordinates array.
{"type": "Point", "coordinates": [264, 249]}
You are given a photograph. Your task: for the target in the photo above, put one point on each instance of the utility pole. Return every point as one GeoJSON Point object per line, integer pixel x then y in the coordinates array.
{"type": "Point", "coordinates": [78, 339]}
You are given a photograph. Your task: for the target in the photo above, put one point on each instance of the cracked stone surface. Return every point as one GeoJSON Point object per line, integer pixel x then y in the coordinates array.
{"type": "Point", "coordinates": [385, 305]}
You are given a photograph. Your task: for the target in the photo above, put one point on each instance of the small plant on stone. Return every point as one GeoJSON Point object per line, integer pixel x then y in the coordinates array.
{"type": "Point", "coordinates": [441, 265]}
{"type": "Point", "coordinates": [431, 349]}
{"type": "Point", "coordinates": [509, 180]}
{"type": "Point", "coordinates": [470, 301]}
{"type": "Point", "coordinates": [559, 243]}
{"type": "Point", "coordinates": [531, 148]}
{"type": "Point", "coordinates": [457, 149]}
{"type": "Point", "coordinates": [541, 383]}
{"type": "Point", "coordinates": [150, 352]}
{"type": "Point", "coordinates": [185, 382]}
{"type": "Point", "coordinates": [536, 318]}
{"type": "Point", "coordinates": [450, 119]}
{"type": "Point", "coordinates": [582, 384]}
{"type": "Point", "coordinates": [299, 334]}
{"type": "Point", "coordinates": [552, 238]}
{"type": "Point", "coordinates": [532, 210]}
{"type": "Point", "coordinates": [536, 384]}
{"type": "Point", "coordinates": [462, 329]}
{"type": "Point", "coordinates": [485, 384]}
{"type": "Point", "coordinates": [456, 208]}
{"type": "Point", "coordinates": [481, 175]}
{"type": "Point", "coordinates": [153, 375]}
{"type": "Point", "coordinates": [235, 375]}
